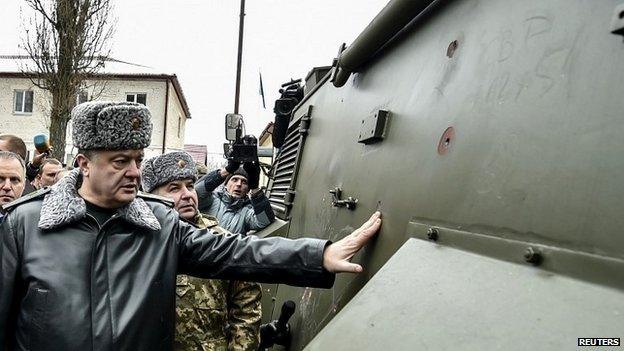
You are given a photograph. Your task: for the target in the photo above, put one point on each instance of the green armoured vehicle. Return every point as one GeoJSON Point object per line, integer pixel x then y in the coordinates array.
{"type": "Point", "coordinates": [491, 136]}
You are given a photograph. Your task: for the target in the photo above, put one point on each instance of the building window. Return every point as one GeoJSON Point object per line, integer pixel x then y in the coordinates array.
{"type": "Point", "coordinates": [82, 96]}
{"type": "Point", "coordinates": [141, 98]}
{"type": "Point", "coordinates": [23, 101]}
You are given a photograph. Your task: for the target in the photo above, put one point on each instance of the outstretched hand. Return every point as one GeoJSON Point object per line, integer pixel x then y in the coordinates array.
{"type": "Point", "coordinates": [337, 256]}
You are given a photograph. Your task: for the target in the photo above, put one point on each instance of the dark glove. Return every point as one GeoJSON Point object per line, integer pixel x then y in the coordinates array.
{"type": "Point", "coordinates": [232, 166]}
{"type": "Point", "coordinates": [253, 174]}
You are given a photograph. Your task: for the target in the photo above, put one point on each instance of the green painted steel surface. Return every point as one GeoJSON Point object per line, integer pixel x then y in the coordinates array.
{"type": "Point", "coordinates": [532, 90]}
{"type": "Point", "coordinates": [429, 297]}
{"type": "Point", "coordinates": [277, 228]}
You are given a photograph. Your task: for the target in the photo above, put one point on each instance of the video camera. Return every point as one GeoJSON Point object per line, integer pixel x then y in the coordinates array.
{"type": "Point", "coordinates": [241, 148]}
{"type": "Point", "coordinates": [291, 94]}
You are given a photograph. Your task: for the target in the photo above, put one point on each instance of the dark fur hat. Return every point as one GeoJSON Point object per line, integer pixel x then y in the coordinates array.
{"type": "Point", "coordinates": [166, 168]}
{"type": "Point", "coordinates": [111, 126]}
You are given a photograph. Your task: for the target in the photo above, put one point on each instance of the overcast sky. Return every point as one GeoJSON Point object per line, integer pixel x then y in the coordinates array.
{"type": "Point", "coordinates": [197, 40]}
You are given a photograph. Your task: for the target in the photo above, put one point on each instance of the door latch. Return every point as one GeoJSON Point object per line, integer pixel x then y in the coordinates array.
{"type": "Point", "coordinates": [349, 202]}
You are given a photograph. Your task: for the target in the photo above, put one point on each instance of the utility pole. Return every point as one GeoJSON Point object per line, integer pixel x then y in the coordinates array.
{"type": "Point", "coordinates": [240, 55]}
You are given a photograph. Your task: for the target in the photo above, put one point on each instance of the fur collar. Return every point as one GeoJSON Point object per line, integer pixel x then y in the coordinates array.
{"type": "Point", "coordinates": [62, 205]}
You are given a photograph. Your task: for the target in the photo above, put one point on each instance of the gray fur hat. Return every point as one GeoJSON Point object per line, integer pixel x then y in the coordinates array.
{"type": "Point", "coordinates": [166, 168]}
{"type": "Point", "coordinates": [111, 126]}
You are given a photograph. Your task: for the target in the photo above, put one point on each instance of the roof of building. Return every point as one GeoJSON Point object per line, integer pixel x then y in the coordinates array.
{"type": "Point", "coordinates": [197, 152]}
{"type": "Point", "coordinates": [266, 133]}
{"type": "Point", "coordinates": [12, 66]}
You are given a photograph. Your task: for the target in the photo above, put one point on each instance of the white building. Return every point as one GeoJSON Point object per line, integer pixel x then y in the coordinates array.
{"type": "Point", "coordinates": [24, 108]}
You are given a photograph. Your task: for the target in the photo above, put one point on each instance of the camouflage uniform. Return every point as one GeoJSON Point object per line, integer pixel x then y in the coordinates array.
{"type": "Point", "coordinates": [216, 315]}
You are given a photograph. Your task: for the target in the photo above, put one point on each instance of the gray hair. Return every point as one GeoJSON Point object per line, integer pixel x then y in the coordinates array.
{"type": "Point", "coordinates": [8, 155]}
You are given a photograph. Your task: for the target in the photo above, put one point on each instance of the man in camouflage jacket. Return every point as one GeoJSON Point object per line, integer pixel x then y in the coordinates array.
{"type": "Point", "coordinates": [211, 315]}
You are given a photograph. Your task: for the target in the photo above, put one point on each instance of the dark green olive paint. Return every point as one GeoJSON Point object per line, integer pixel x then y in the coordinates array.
{"type": "Point", "coordinates": [504, 133]}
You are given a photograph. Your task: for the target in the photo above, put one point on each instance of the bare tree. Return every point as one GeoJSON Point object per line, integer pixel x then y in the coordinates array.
{"type": "Point", "coordinates": [67, 41]}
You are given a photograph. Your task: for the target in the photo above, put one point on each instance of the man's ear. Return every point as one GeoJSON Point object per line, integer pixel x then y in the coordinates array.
{"type": "Point", "coordinates": [84, 164]}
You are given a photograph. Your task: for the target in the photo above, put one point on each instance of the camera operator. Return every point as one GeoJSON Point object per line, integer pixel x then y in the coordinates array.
{"type": "Point", "coordinates": [235, 210]}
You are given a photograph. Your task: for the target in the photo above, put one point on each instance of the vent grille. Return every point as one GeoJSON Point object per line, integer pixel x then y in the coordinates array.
{"type": "Point", "coordinates": [281, 190]}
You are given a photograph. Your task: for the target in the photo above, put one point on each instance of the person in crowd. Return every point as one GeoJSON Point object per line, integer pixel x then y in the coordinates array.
{"type": "Point", "coordinates": [47, 173]}
{"type": "Point", "coordinates": [13, 144]}
{"type": "Point", "coordinates": [9, 142]}
{"type": "Point", "coordinates": [234, 306]}
{"type": "Point", "coordinates": [17, 146]}
{"type": "Point", "coordinates": [91, 263]}
{"type": "Point", "coordinates": [12, 178]}
{"type": "Point", "coordinates": [239, 205]}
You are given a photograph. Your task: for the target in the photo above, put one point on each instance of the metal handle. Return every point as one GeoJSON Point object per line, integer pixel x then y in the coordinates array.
{"type": "Point", "coordinates": [349, 202]}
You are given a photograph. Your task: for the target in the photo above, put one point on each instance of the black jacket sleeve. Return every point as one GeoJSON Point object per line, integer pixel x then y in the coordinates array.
{"type": "Point", "coordinates": [9, 268]}
{"type": "Point", "coordinates": [204, 187]}
{"type": "Point", "coordinates": [269, 260]}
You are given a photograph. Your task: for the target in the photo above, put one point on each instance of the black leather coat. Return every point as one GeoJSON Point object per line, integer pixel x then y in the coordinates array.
{"type": "Point", "coordinates": [78, 286]}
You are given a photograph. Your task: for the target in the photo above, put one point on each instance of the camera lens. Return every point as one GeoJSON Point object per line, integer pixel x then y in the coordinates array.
{"type": "Point", "coordinates": [284, 106]}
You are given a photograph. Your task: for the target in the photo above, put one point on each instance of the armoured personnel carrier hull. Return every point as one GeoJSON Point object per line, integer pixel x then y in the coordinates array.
{"type": "Point", "coordinates": [491, 136]}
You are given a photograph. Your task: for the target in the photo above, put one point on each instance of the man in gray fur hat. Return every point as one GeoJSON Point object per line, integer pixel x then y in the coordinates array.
{"type": "Point", "coordinates": [235, 306]}
{"type": "Point", "coordinates": [91, 264]}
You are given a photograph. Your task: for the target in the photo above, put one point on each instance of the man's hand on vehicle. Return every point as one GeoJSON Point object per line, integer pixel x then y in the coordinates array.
{"type": "Point", "coordinates": [337, 256]}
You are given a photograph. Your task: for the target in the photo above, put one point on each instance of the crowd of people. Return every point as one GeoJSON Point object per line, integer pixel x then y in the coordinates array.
{"type": "Point", "coordinates": [235, 311]}
{"type": "Point", "coordinates": [39, 173]}
{"type": "Point", "coordinates": [87, 261]}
